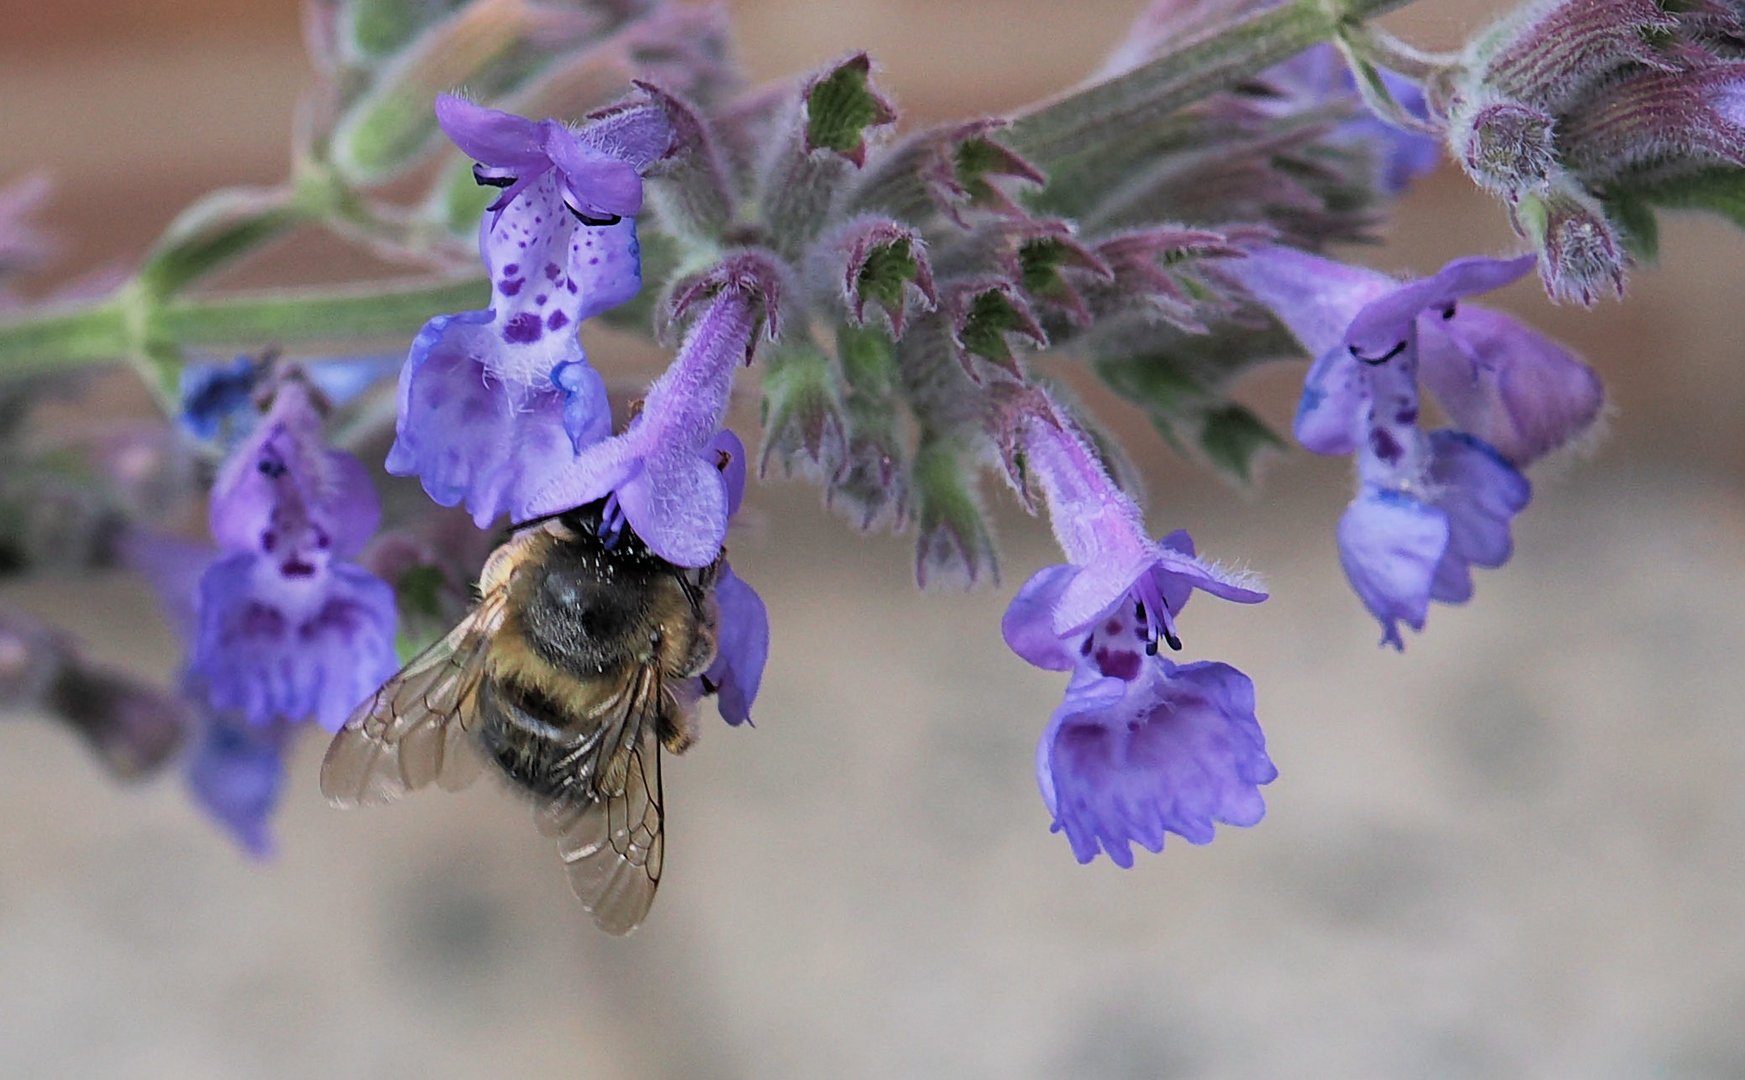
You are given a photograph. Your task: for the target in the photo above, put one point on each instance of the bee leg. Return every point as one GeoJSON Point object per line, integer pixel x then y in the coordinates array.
{"type": "Point", "coordinates": [677, 726]}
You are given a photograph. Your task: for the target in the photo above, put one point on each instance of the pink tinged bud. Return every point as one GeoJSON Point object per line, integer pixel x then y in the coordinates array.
{"type": "Point", "coordinates": [1552, 55]}
{"type": "Point", "coordinates": [841, 107]}
{"type": "Point", "coordinates": [1150, 268]}
{"type": "Point", "coordinates": [946, 170]}
{"type": "Point", "coordinates": [133, 728]}
{"type": "Point", "coordinates": [1505, 146]}
{"type": "Point", "coordinates": [880, 262]}
{"type": "Point", "coordinates": [987, 316]}
{"type": "Point", "coordinates": [693, 188]}
{"type": "Point", "coordinates": [954, 545]}
{"type": "Point", "coordinates": [802, 416]}
{"type": "Point", "coordinates": [1580, 252]}
{"type": "Point", "coordinates": [1660, 121]}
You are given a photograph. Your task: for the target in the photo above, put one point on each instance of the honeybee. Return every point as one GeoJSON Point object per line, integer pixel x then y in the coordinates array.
{"type": "Point", "coordinates": [580, 661]}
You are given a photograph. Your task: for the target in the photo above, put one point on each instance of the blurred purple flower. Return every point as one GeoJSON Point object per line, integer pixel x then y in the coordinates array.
{"type": "Point", "coordinates": [1429, 507]}
{"type": "Point", "coordinates": [285, 626]}
{"type": "Point", "coordinates": [236, 774]}
{"type": "Point", "coordinates": [495, 404]}
{"type": "Point", "coordinates": [218, 398]}
{"type": "Point", "coordinates": [1319, 75]}
{"type": "Point", "coordinates": [1140, 746]}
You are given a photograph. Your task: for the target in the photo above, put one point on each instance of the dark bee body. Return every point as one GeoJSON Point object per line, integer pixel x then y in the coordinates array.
{"type": "Point", "coordinates": [582, 618]}
{"type": "Point", "coordinates": [578, 664]}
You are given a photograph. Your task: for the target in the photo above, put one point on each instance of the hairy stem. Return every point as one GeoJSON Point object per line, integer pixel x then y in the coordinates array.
{"type": "Point", "coordinates": [1201, 66]}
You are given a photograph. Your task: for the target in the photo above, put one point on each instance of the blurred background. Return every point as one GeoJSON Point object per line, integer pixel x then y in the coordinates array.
{"type": "Point", "coordinates": [1513, 851]}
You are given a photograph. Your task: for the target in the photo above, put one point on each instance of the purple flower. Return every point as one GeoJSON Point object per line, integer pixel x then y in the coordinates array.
{"type": "Point", "coordinates": [1319, 75]}
{"type": "Point", "coordinates": [1140, 746]}
{"type": "Point", "coordinates": [742, 630]}
{"type": "Point", "coordinates": [1429, 507]}
{"type": "Point", "coordinates": [236, 774]}
{"type": "Point", "coordinates": [285, 625]}
{"type": "Point", "coordinates": [663, 473]}
{"type": "Point", "coordinates": [495, 404]}
{"type": "Point", "coordinates": [741, 647]}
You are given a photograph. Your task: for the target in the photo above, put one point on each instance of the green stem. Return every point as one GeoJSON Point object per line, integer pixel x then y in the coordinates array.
{"type": "Point", "coordinates": [299, 316]}
{"type": "Point", "coordinates": [1055, 128]}
{"type": "Point", "coordinates": [118, 328]}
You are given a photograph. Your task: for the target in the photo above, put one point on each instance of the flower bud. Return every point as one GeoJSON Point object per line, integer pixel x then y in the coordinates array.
{"type": "Point", "coordinates": [954, 545]}
{"type": "Point", "coordinates": [1505, 146]}
{"type": "Point", "coordinates": [134, 728]}
{"type": "Point", "coordinates": [802, 418]}
{"type": "Point", "coordinates": [1580, 253]}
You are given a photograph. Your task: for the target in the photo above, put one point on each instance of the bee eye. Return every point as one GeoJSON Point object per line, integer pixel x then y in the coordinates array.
{"type": "Point", "coordinates": [489, 177]}
{"type": "Point", "coordinates": [589, 219]}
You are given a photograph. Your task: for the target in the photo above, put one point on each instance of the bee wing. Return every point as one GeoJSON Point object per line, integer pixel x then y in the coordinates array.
{"type": "Point", "coordinates": [414, 730]}
{"type": "Point", "coordinates": [612, 834]}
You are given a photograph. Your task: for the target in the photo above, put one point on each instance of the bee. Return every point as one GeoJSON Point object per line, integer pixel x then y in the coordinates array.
{"type": "Point", "coordinates": [581, 660]}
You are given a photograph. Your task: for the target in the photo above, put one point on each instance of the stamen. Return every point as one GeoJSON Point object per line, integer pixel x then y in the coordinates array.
{"type": "Point", "coordinates": [612, 522]}
{"type": "Point", "coordinates": [1155, 620]}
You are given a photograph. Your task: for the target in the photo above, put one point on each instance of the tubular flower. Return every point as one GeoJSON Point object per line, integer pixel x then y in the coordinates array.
{"type": "Point", "coordinates": [662, 473]}
{"type": "Point", "coordinates": [286, 626]}
{"type": "Point", "coordinates": [1140, 746]}
{"type": "Point", "coordinates": [495, 404]}
{"type": "Point", "coordinates": [1429, 506]}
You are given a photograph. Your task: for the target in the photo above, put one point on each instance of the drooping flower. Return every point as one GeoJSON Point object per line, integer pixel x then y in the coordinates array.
{"type": "Point", "coordinates": [1429, 506]}
{"type": "Point", "coordinates": [286, 626]}
{"type": "Point", "coordinates": [662, 473]}
{"type": "Point", "coordinates": [1140, 746]}
{"type": "Point", "coordinates": [495, 404]}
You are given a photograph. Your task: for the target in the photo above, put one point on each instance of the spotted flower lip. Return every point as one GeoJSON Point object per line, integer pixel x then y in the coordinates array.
{"type": "Point", "coordinates": [489, 399]}
{"type": "Point", "coordinates": [285, 627]}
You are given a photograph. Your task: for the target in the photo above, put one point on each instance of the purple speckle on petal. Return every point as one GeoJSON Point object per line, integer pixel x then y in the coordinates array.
{"type": "Point", "coordinates": [539, 301]}
{"type": "Point", "coordinates": [557, 320]}
{"type": "Point", "coordinates": [1407, 415]}
{"type": "Point", "coordinates": [553, 271]}
{"type": "Point", "coordinates": [512, 268]}
{"type": "Point", "coordinates": [1118, 664]}
{"type": "Point", "coordinates": [595, 261]}
{"type": "Point", "coordinates": [523, 328]}
{"type": "Point", "coordinates": [510, 286]}
{"type": "Point", "coordinates": [1384, 445]}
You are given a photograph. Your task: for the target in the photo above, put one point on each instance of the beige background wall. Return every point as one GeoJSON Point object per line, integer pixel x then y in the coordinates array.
{"type": "Point", "coordinates": [1511, 852]}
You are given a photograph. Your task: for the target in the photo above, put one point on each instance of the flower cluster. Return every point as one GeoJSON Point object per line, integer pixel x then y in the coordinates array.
{"type": "Point", "coordinates": [1429, 507]}
{"type": "Point", "coordinates": [1165, 222]}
